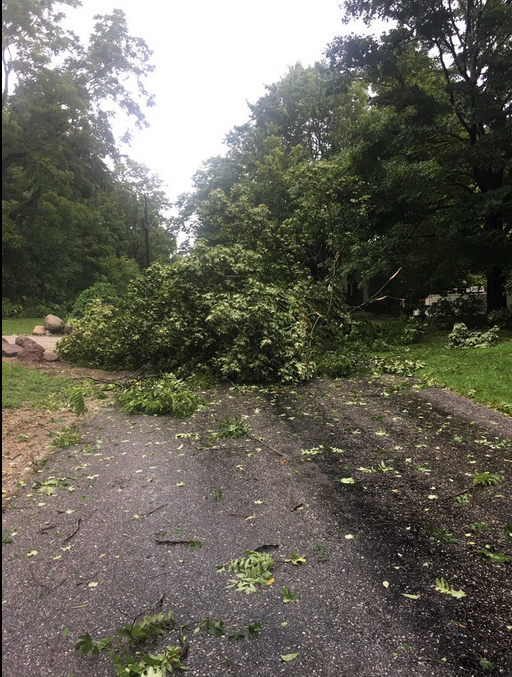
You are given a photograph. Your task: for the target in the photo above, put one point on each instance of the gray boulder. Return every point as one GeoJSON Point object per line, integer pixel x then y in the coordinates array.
{"type": "Point", "coordinates": [54, 324]}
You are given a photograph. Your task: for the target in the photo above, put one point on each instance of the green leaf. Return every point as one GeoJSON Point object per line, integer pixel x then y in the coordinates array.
{"type": "Point", "coordinates": [236, 634]}
{"type": "Point", "coordinates": [405, 594]}
{"type": "Point", "coordinates": [288, 595]}
{"type": "Point", "coordinates": [289, 657]}
{"type": "Point", "coordinates": [443, 586]}
{"type": "Point", "coordinates": [85, 644]}
{"type": "Point", "coordinates": [495, 557]}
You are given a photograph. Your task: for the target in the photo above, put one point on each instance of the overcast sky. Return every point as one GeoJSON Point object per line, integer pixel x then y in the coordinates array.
{"type": "Point", "coordinates": [211, 57]}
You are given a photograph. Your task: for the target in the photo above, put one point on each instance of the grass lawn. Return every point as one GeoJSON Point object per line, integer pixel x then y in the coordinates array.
{"type": "Point", "coordinates": [22, 386]}
{"type": "Point", "coordinates": [483, 374]}
{"type": "Point", "coordinates": [21, 325]}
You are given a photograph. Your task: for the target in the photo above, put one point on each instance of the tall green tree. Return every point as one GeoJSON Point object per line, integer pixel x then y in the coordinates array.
{"type": "Point", "coordinates": [469, 45]}
{"type": "Point", "coordinates": [69, 218]}
{"type": "Point", "coordinates": [31, 38]}
{"type": "Point", "coordinates": [277, 189]}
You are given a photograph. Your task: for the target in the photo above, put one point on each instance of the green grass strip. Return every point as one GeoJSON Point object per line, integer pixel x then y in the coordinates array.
{"type": "Point", "coordinates": [20, 325]}
{"type": "Point", "coordinates": [483, 374]}
{"type": "Point", "coordinates": [22, 386]}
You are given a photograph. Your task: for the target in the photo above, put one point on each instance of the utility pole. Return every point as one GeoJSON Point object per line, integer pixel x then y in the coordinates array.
{"type": "Point", "coordinates": [145, 228]}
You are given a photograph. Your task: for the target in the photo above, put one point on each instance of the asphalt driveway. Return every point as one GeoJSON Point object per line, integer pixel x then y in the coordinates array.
{"type": "Point", "coordinates": [358, 478]}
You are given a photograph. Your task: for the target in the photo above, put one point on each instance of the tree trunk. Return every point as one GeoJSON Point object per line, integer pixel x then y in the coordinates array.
{"type": "Point", "coordinates": [496, 293]}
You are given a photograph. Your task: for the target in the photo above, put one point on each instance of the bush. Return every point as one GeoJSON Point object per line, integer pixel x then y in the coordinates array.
{"type": "Point", "coordinates": [211, 310]}
{"type": "Point", "coordinates": [500, 318]}
{"type": "Point", "coordinates": [401, 333]}
{"type": "Point", "coordinates": [32, 309]}
{"type": "Point", "coordinates": [444, 313]}
{"type": "Point", "coordinates": [101, 290]}
{"type": "Point", "coordinates": [10, 310]}
{"type": "Point", "coordinates": [349, 359]}
{"type": "Point", "coordinates": [165, 395]}
{"type": "Point", "coordinates": [462, 337]}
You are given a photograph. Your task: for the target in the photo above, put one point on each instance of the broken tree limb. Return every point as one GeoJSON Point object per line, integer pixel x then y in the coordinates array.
{"type": "Point", "coordinates": [260, 441]}
{"type": "Point", "coordinates": [68, 538]}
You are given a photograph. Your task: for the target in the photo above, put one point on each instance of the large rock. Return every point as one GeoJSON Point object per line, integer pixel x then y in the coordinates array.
{"type": "Point", "coordinates": [29, 344]}
{"type": "Point", "coordinates": [49, 356]}
{"type": "Point", "coordinates": [8, 350]}
{"type": "Point", "coordinates": [38, 330]}
{"type": "Point", "coordinates": [29, 357]}
{"type": "Point", "coordinates": [34, 351]}
{"type": "Point", "coordinates": [54, 324]}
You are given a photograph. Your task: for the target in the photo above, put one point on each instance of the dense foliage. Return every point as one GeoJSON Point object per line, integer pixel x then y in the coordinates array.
{"type": "Point", "coordinates": [71, 206]}
{"type": "Point", "coordinates": [375, 177]}
{"type": "Point", "coordinates": [101, 290]}
{"type": "Point", "coordinates": [164, 395]}
{"type": "Point", "coordinates": [462, 337]}
{"type": "Point", "coordinates": [213, 310]}
{"type": "Point", "coordinates": [394, 155]}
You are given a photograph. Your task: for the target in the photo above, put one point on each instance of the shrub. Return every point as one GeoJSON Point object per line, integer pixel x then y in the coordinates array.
{"type": "Point", "coordinates": [211, 310]}
{"type": "Point", "coordinates": [500, 318]}
{"type": "Point", "coordinates": [444, 313]}
{"type": "Point", "coordinates": [101, 290]}
{"type": "Point", "coordinates": [165, 395]}
{"type": "Point", "coordinates": [401, 333]}
{"type": "Point", "coordinates": [462, 337]}
{"type": "Point", "coordinates": [348, 359]}
{"type": "Point", "coordinates": [10, 309]}
{"type": "Point", "coordinates": [400, 366]}
{"type": "Point", "coordinates": [41, 309]}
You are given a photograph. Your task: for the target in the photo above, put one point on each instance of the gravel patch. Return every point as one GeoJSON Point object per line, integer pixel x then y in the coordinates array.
{"type": "Point", "coordinates": [48, 342]}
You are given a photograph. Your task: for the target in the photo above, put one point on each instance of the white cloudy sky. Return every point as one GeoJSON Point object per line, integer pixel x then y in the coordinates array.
{"type": "Point", "coordinates": [211, 57]}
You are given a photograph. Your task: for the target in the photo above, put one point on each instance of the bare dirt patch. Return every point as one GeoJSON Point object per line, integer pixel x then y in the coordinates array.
{"type": "Point", "coordinates": [27, 432]}
{"type": "Point", "coordinates": [26, 437]}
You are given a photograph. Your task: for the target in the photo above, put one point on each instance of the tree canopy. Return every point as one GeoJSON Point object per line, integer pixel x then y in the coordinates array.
{"type": "Point", "coordinates": [393, 153]}
{"type": "Point", "coordinates": [71, 205]}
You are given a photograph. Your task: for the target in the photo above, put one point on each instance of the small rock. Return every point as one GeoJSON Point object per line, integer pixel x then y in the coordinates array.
{"type": "Point", "coordinates": [48, 356]}
{"type": "Point", "coordinates": [8, 350]}
{"type": "Point", "coordinates": [38, 330]}
{"type": "Point", "coordinates": [54, 324]}
{"type": "Point", "coordinates": [4, 340]}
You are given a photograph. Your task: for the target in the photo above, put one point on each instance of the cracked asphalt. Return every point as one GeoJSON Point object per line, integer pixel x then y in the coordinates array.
{"type": "Point", "coordinates": [85, 555]}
